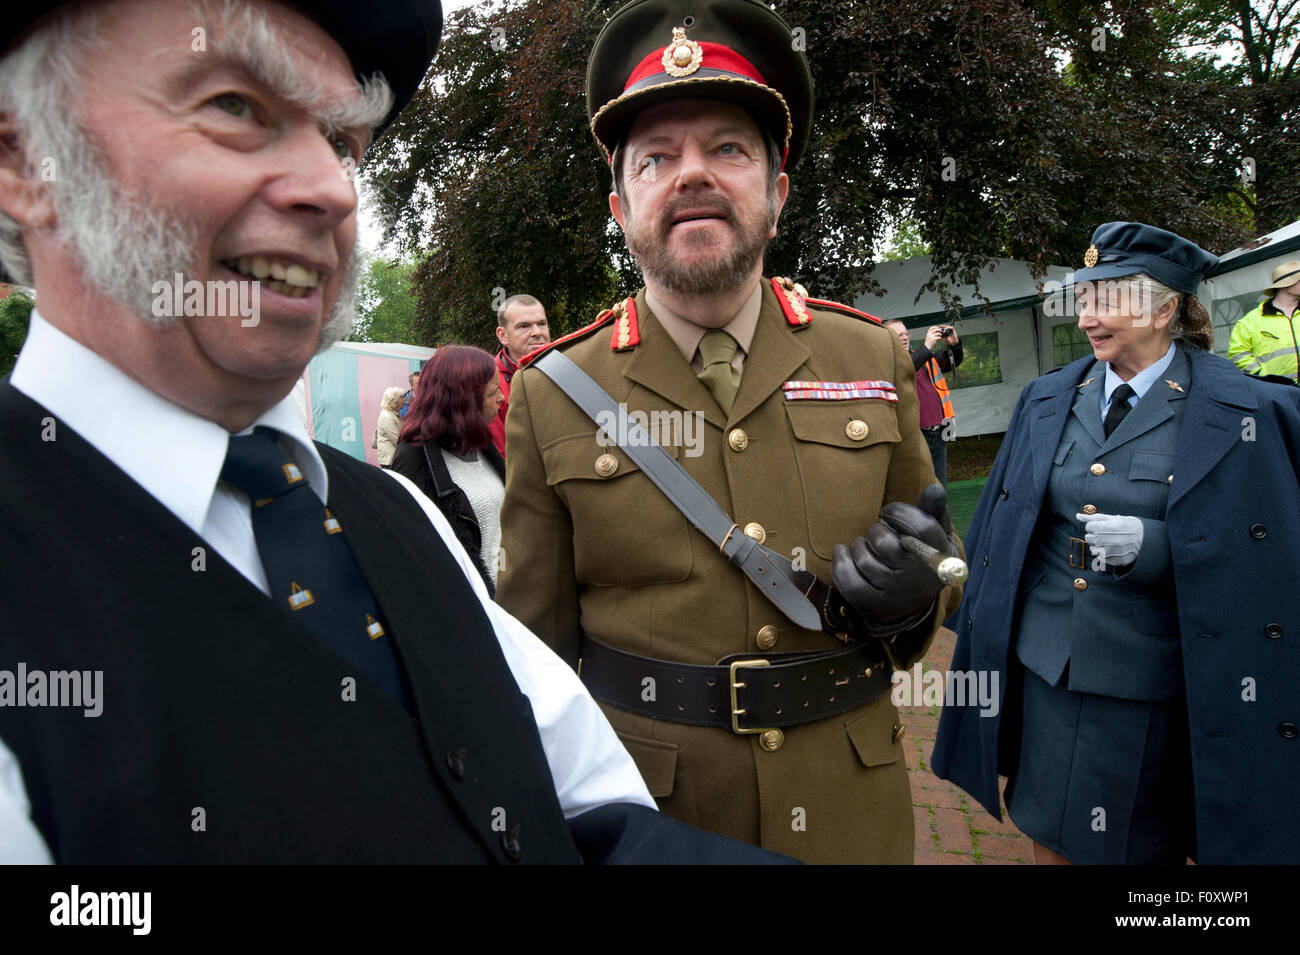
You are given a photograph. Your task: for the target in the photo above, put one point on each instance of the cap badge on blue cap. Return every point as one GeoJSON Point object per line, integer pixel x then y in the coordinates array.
{"type": "Point", "coordinates": [683, 56]}
{"type": "Point", "coordinates": [1090, 257]}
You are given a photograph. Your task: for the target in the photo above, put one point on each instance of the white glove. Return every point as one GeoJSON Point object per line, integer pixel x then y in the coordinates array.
{"type": "Point", "coordinates": [1115, 539]}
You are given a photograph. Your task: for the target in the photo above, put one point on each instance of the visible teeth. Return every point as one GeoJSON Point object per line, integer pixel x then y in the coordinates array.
{"type": "Point", "coordinates": [284, 288]}
{"type": "Point", "coordinates": [287, 278]}
{"type": "Point", "coordinates": [296, 274]}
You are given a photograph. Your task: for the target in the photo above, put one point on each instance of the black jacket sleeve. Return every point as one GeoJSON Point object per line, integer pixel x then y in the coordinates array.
{"type": "Point", "coordinates": [950, 357]}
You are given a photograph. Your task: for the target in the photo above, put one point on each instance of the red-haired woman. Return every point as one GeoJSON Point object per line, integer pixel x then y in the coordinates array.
{"type": "Point", "coordinates": [446, 449]}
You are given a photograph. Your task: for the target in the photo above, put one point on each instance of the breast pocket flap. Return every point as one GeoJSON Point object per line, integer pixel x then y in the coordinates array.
{"type": "Point", "coordinates": [1151, 466]}
{"type": "Point", "coordinates": [840, 423]}
{"type": "Point", "coordinates": [583, 457]}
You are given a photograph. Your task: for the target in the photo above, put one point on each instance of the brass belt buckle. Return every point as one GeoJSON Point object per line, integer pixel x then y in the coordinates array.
{"type": "Point", "coordinates": [1082, 553]}
{"type": "Point", "coordinates": [736, 711]}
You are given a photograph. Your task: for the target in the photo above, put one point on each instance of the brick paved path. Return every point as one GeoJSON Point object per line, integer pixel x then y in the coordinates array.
{"type": "Point", "coordinates": [951, 827]}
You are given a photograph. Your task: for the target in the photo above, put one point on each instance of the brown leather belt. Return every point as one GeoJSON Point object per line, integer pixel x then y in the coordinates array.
{"type": "Point", "coordinates": [745, 693]}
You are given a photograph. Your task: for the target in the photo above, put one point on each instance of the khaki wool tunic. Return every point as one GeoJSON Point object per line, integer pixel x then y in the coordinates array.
{"type": "Point", "coordinates": [608, 554]}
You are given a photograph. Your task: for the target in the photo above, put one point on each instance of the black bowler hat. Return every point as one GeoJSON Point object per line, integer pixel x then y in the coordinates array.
{"type": "Point", "coordinates": [1127, 248]}
{"type": "Point", "coordinates": [395, 37]}
{"type": "Point", "coordinates": [739, 51]}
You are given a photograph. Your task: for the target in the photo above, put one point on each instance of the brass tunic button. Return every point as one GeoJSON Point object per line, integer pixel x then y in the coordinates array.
{"type": "Point", "coordinates": [738, 440]}
{"type": "Point", "coordinates": [1098, 469]}
{"type": "Point", "coordinates": [606, 465]}
{"type": "Point", "coordinates": [1080, 583]}
{"type": "Point", "coordinates": [1090, 508]}
{"type": "Point", "coordinates": [899, 730]}
{"type": "Point", "coordinates": [772, 740]}
{"type": "Point", "coordinates": [755, 530]}
{"type": "Point", "coordinates": [766, 637]}
{"type": "Point", "coordinates": [1170, 479]}
{"type": "Point", "coordinates": [856, 429]}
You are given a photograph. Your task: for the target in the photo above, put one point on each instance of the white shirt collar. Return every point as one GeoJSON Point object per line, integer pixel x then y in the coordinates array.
{"type": "Point", "coordinates": [171, 452]}
{"type": "Point", "coordinates": [1140, 382]}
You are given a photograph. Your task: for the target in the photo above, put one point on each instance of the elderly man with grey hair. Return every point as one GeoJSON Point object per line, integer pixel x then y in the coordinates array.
{"type": "Point", "coordinates": [232, 663]}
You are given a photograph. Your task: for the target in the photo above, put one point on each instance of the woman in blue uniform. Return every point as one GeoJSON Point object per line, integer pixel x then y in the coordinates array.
{"type": "Point", "coordinates": [1133, 564]}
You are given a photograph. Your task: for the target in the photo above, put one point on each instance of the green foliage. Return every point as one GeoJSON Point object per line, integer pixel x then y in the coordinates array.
{"type": "Point", "coordinates": [492, 176]}
{"type": "Point", "coordinates": [1216, 83]}
{"type": "Point", "coordinates": [15, 314]}
{"type": "Point", "coordinates": [385, 304]}
{"type": "Point", "coordinates": [907, 242]}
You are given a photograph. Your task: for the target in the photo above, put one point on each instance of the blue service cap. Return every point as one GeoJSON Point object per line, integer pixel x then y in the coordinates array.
{"type": "Point", "coordinates": [1127, 248]}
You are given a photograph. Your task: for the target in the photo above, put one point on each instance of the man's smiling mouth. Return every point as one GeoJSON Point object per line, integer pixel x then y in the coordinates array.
{"type": "Point", "coordinates": [276, 274]}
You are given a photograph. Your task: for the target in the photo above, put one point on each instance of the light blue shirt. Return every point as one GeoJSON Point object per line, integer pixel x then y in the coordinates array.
{"type": "Point", "coordinates": [1140, 382]}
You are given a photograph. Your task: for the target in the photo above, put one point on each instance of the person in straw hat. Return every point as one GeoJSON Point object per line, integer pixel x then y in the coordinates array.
{"type": "Point", "coordinates": [1264, 341]}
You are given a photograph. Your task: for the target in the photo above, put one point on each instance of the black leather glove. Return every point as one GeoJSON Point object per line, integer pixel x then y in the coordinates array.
{"type": "Point", "coordinates": [888, 588]}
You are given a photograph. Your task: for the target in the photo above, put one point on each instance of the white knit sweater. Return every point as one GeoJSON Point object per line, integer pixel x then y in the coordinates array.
{"type": "Point", "coordinates": [485, 492]}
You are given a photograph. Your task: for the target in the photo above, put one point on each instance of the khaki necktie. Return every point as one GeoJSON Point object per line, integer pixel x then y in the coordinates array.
{"type": "Point", "coordinates": [717, 348]}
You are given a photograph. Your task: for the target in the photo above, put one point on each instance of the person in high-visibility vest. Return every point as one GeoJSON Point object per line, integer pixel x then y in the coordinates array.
{"type": "Point", "coordinates": [933, 403]}
{"type": "Point", "coordinates": [1265, 340]}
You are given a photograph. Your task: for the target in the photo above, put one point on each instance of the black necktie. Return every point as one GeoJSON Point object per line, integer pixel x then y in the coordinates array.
{"type": "Point", "coordinates": [309, 566]}
{"type": "Point", "coordinates": [1119, 408]}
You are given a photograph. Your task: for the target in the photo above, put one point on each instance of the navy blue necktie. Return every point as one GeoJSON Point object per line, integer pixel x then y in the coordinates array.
{"type": "Point", "coordinates": [309, 566]}
{"type": "Point", "coordinates": [1119, 408]}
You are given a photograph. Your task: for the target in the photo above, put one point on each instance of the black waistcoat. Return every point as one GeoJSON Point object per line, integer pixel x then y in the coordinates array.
{"type": "Point", "coordinates": [225, 735]}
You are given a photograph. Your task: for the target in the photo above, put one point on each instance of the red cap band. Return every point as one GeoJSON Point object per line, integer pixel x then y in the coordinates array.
{"type": "Point", "coordinates": [716, 57]}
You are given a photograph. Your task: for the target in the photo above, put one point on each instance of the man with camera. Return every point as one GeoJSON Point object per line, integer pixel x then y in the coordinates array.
{"type": "Point", "coordinates": [931, 388]}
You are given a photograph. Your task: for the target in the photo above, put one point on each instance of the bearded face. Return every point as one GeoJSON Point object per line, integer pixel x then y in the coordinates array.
{"type": "Point", "coordinates": [696, 261]}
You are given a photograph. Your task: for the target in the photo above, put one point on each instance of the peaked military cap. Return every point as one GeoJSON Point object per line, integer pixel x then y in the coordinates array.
{"type": "Point", "coordinates": [397, 38]}
{"type": "Point", "coordinates": [738, 51]}
{"type": "Point", "coordinates": [1127, 248]}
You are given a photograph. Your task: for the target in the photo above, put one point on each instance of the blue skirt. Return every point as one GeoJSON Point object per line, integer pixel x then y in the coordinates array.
{"type": "Point", "coordinates": [1102, 780]}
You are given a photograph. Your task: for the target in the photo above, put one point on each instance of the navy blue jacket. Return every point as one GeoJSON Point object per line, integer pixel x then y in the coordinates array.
{"type": "Point", "coordinates": [1233, 526]}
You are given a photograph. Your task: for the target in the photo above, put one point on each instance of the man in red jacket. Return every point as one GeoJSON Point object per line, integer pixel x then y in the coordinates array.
{"type": "Point", "coordinates": [521, 328]}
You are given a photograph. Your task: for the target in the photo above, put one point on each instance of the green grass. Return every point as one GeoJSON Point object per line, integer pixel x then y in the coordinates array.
{"type": "Point", "coordinates": [969, 463]}
{"type": "Point", "coordinates": [962, 498]}
{"type": "Point", "coordinates": [972, 457]}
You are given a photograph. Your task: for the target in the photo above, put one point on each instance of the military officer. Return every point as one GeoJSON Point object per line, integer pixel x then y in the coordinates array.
{"type": "Point", "coordinates": [797, 416]}
{"type": "Point", "coordinates": [1133, 563]}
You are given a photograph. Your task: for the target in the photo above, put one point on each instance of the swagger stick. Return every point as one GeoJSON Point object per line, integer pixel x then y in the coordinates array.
{"type": "Point", "coordinates": [949, 570]}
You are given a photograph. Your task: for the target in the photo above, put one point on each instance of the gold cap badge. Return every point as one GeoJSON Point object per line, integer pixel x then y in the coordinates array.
{"type": "Point", "coordinates": [1090, 257]}
{"type": "Point", "coordinates": [682, 56]}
